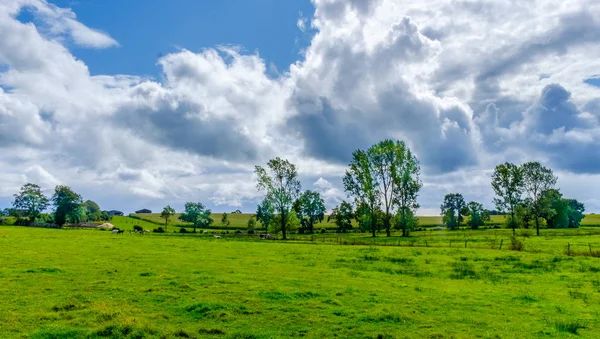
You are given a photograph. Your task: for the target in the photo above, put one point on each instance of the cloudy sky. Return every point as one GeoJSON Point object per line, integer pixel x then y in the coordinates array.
{"type": "Point", "coordinates": [139, 104]}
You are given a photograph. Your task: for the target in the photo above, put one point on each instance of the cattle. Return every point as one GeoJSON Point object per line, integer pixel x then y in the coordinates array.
{"type": "Point", "coordinates": [217, 236]}
{"type": "Point", "coordinates": [265, 236]}
{"type": "Point", "coordinates": [117, 231]}
{"type": "Point", "coordinates": [147, 231]}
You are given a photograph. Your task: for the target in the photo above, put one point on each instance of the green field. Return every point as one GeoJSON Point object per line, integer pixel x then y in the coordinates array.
{"type": "Point", "coordinates": [60, 283]}
{"type": "Point", "coordinates": [240, 221]}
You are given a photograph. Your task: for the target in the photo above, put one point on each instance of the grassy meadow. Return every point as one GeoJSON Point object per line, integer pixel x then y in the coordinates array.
{"type": "Point", "coordinates": [68, 283]}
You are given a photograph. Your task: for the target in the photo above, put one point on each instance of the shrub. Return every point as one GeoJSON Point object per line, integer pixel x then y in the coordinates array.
{"type": "Point", "coordinates": [516, 244]}
{"type": "Point", "coordinates": [250, 231]}
{"type": "Point", "coordinates": [323, 230]}
{"type": "Point", "coordinates": [159, 230]}
{"type": "Point", "coordinates": [238, 232]}
{"type": "Point", "coordinates": [182, 230]}
{"type": "Point", "coordinates": [138, 228]}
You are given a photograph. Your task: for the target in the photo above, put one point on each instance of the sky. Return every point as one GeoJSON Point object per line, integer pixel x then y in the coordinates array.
{"type": "Point", "coordinates": [140, 104]}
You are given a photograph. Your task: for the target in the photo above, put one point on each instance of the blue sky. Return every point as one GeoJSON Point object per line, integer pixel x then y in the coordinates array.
{"type": "Point", "coordinates": [138, 104]}
{"type": "Point", "coordinates": [149, 29]}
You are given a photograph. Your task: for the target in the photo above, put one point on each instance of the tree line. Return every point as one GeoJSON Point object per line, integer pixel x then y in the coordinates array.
{"type": "Point", "coordinates": [67, 207]}
{"type": "Point", "coordinates": [383, 183]}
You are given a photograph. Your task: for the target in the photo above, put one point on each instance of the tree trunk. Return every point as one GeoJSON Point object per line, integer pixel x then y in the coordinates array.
{"type": "Point", "coordinates": [373, 223]}
{"type": "Point", "coordinates": [312, 230]}
{"type": "Point", "coordinates": [387, 225]}
{"type": "Point", "coordinates": [513, 224]}
{"type": "Point", "coordinates": [283, 225]}
{"type": "Point", "coordinates": [537, 225]}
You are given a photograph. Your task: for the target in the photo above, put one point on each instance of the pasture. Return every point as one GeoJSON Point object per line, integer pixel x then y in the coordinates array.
{"type": "Point", "coordinates": [60, 283]}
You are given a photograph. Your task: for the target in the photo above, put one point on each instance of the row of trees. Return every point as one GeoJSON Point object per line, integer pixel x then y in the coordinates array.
{"type": "Point", "coordinates": [528, 194]}
{"type": "Point", "coordinates": [382, 180]}
{"type": "Point", "coordinates": [68, 207]}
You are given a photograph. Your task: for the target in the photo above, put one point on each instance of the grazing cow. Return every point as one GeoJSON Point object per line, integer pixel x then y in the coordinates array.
{"type": "Point", "coordinates": [217, 236]}
{"type": "Point", "coordinates": [117, 231]}
{"type": "Point", "coordinates": [147, 231]}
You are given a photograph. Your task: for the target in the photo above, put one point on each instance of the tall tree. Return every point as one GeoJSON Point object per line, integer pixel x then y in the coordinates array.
{"type": "Point", "coordinates": [384, 158]}
{"type": "Point", "coordinates": [342, 214]}
{"type": "Point", "coordinates": [264, 213]}
{"type": "Point", "coordinates": [167, 213]}
{"type": "Point", "coordinates": [407, 185]}
{"type": "Point", "coordinates": [452, 209]}
{"type": "Point", "coordinates": [312, 207]}
{"type": "Point", "coordinates": [537, 179]}
{"type": "Point", "coordinates": [507, 182]}
{"type": "Point", "coordinates": [67, 205]}
{"type": "Point", "coordinates": [251, 225]}
{"type": "Point", "coordinates": [361, 183]}
{"type": "Point", "coordinates": [281, 185]}
{"type": "Point", "coordinates": [31, 200]}
{"type": "Point", "coordinates": [197, 214]}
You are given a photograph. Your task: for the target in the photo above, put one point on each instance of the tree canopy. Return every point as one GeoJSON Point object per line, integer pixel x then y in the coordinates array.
{"type": "Point", "coordinates": [280, 183]}
{"type": "Point", "coordinates": [536, 180]}
{"type": "Point", "coordinates": [453, 209]}
{"type": "Point", "coordinates": [507, 182]}
{"type": "Point", "coordinates": [197, 214]}
{"type": "Point", "coordinates": [342, 215]}
{"type": "Point", "coordinates": [68, 206]}
{"type": "Point", "coordinates": [31, 201]}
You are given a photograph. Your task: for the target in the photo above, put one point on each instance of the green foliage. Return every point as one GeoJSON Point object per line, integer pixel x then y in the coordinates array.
{"type": "Point", "coordinates": [367, 219]}
{"type": "Point", "coordinates": [138, 228]}
{"type": "Point", "coordinates": [575, 212]}
{"type": "Point", "coordinates": [167, 213]}
{"type": "Point", "coordinates": [342, 215]}
{"type": "Point", "coordinates": [292, 223]}
{"type": "Point", "coordinates": [536, 180]}
{"type": "Point", "coordinates": [92, 211]}
{"type": "Point", "coordinates": [310, 207]}
{"type": "Point", "coordinates": [224, 220]}
{"type": "Point", "coordinates": [507, 182]}
{"type": "Point", "coordinates": [477, 215]}
{"type": "Point", "coordinates": [386, 174]}
{"type": "Point", "coordinates": [452, 210]}
{"type": "Point", "coordinates": [68, 206]}
{"type": "Point", "coordinates": [406, 221]}
{"type": "Point", "coordinates": [160, 229]}
{"type": "Point", "coordinates": [281, 186]}
{"type": "Point", "coordinates": [31, 201]}
{"type": "Point", "coordinates": [251, 225]}
{"type": "Point", "coordinates": [524, 214]}
{"type": "Point", "coordinates": [265, 213]}
{"type": "Point", "coordinates": [556, 209]}
{"type": "Point", "coordinates": [196, 214]}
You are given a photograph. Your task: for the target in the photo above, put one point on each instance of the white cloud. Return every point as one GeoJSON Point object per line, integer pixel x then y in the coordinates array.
{"type": "Point", "coordinates": [467, 84]}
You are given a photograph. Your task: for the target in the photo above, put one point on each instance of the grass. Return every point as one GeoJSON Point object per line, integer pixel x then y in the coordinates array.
{"type": "Point", "coordinates": [93, 284]}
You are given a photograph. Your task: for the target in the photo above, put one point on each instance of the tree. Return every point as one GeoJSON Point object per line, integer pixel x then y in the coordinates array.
{"type": "Point", "coordinates": [407, 185]}
{"type": "Point", "coordinates": [406, 221]}
{"type": "Point", "coordinates": [524, 213]}
{"type": "Point", "coordinates": [251, 225]}
{"type": "Point", "coordinates": [507, 182]}
{"type": "Point", "coordinates": [291, 224]}
{"type": "Point", "coordinates": [452, 210]}
{"type": "Point", "coordinates": [167, 213]}
{"type": "Point", "coordinates": [224, 220]}
{"type": "Point", "coordinates": [555, 209]}
{"type": "Point", "coordinates": [264, 213]}
{"type": "Point", "coordinates": [369, 221]}
{"type": "Point", "coordinates": [92, 210]}
{"type": "Point", "coordinates": [477, 215]}
{"type": "Point", "coordinates": [312, 207]}
{"type": "Point", "coordinates": [361, 183]}
{"type": "Point", "coordinates": [342, 214]}
{"type": "Point", "coordinates": [384, 158]}
{"type": "Point", "coordinates": [31, 200]}
{"type": "Point", "coordinates": [197, 214]}
{"type": "Point", "coordinates": [537, 179]}
{"type": "Point", "coordinates": [67, 206]}
{"type": "Point", "coordinates": [575, 212]}
{"type": "Point", "coordinates": [281, 185]}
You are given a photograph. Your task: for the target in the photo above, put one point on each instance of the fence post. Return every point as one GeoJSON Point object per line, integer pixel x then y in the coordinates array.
{"type": "Point", "coordinates": [501, 241]}
{"type": "Point", "coordinates": [569, 248]}
{"type": "Point", "coordinates": [426, 244]}
{"type": "Point", "coordinates": [589, 244]}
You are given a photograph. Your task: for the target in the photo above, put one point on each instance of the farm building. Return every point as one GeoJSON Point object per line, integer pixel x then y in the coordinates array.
{"type": "Point", "coordinates": [115, 212]}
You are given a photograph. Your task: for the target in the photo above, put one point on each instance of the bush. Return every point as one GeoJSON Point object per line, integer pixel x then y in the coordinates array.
{"type": "Point", "coordinates": [182, 230]}
{"type": "Point", "coordinates": [138, 228]}
{"type": "Point", "coordinates": [323, 230]}
{"type": "Point", "coordinates": [159, 230]}
{"type": "Point", "coordinates": [516, 244]}
{"type": "Point", "coordinates": [238, 232]}
{"type": "Point", "coordinates": [250, 231]}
